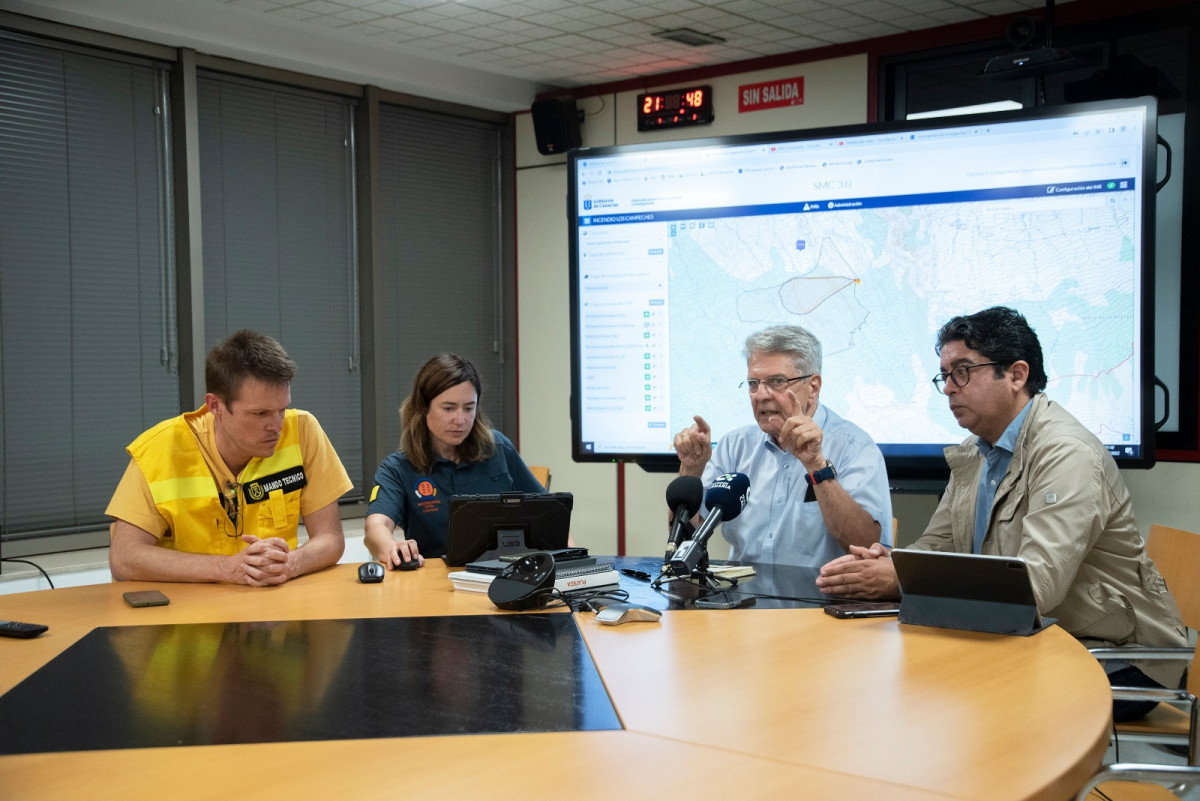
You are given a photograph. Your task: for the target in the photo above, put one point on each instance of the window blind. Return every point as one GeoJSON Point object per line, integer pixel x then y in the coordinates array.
{"type": "Point", "coordinates": [88, 355]}
{"type": "Point", "coordinates": [441, 259]}
{"type": "Point", "coordinates": [277, 195]}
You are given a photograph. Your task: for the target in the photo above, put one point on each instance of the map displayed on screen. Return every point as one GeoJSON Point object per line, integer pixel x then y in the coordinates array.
{"type": "Point", "coordinates": [872, 242]}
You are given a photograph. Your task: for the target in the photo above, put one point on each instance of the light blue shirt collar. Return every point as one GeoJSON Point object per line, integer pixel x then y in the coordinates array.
{"type": "Point", "coordinates": [1008, 439]}
{"type": "Point", "coordinates": [996, 461]}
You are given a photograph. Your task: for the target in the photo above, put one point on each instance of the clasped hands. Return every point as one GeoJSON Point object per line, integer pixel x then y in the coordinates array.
{"type": "Point", "coordinates": [862, 573]}
{"type": "Point", "coordinates": [262, 563]}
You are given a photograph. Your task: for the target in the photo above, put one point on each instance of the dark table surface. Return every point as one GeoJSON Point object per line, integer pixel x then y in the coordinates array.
{"type": "Point", "coordinates": [771, 586]}
{"type": "Point", "coordinates": [275, 681]}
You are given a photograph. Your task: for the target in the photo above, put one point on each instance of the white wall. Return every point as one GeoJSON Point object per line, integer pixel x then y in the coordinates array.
{"type": "Point", "coordinates": [544, 380]}
{"type": "Point", "coordinates": [835, 94]}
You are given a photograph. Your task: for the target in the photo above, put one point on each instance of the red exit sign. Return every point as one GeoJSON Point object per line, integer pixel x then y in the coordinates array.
{"type": "Point", "coordinates": [771, 94]}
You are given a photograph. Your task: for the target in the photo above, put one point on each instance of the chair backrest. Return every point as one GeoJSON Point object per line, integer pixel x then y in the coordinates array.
{"type": "Point", "coordinates": [1176, 553]}
{"type": "Point", "coordinates": [542, 474]}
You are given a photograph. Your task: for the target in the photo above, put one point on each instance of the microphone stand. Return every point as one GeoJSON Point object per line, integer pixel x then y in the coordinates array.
{"type": "Point", "coordinates": [700, 574]}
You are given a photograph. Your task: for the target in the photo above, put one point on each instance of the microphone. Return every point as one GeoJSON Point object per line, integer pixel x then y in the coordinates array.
{"type": "Point", "coordinates": [684, 496]}
{"type": "Point", "coordinates": [725, 499]}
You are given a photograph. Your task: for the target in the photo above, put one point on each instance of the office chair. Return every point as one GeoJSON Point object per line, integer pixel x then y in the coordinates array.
{"type": "Point", "coordinates": [1136, 782]}
{"type": "Point", "coordinates": [542, 474]}
{"type": "Point", "coordinates": [1176, 720]}
{"type": "Point", "coordinates": [1177, 555]}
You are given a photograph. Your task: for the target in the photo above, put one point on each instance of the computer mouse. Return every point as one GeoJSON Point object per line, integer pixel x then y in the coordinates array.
{"type": "Point", "coordinates": [371, 572]}
{"type": "Point", "coordinates": [411, 564]}
{"type": "Point", "coordinates": [616, 614]}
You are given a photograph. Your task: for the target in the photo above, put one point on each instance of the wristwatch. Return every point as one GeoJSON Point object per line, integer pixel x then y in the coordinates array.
{"type": "Point", "coordinates": [824, 474]}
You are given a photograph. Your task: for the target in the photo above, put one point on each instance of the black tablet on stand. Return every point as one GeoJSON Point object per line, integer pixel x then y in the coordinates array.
{"type": "Point", "coordinates": [490, 526]}
{"type": "Point", "coordinates": [975, 592]}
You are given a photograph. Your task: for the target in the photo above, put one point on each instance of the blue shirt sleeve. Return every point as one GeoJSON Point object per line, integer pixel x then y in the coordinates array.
{"type": "Point", "coordinates": [389, 497]}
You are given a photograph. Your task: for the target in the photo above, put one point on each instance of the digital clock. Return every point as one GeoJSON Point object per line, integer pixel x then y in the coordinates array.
{"type": "Point", "coordinates": [675, 108]}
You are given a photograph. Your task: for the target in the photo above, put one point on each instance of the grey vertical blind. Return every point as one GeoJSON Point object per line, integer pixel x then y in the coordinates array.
{"type": "Point", "coordinates": [441, 268]}
{"type": "Point", "coordinates": [277, 195]}
{"type": "Point", "coordinates": [87, 331]}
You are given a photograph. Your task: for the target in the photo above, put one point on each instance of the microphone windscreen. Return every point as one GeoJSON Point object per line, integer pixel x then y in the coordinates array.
{"type": "Point", "coordinates": [728, 493]}
{"type": "Point", "coordinates": [687, 491]}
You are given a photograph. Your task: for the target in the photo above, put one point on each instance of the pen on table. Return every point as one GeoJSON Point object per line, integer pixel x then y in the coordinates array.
{"type": "Point", "coordinates": [637, 574]}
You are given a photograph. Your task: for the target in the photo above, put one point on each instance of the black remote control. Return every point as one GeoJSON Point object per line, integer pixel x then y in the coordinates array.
{"type": "Point", "coordinates": [11, 628]}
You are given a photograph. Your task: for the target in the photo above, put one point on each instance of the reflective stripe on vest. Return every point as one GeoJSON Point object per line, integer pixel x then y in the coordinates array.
{"type": "Point", "coordinates": [186, 494]}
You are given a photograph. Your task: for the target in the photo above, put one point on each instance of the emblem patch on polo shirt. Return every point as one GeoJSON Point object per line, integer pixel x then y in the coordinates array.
{"type": "Point", "coordinates": [288, 480]}
{"type": "Point", "coordinates": [428, 503]}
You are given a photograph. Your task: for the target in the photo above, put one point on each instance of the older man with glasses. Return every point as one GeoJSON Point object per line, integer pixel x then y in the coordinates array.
{"type": "Point", "coordinates": [818, 484]}
{"type": "Point", "coordinates": [1032, 482]}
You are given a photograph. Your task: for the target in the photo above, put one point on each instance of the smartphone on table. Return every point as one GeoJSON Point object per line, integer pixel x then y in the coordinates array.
{"type": "Point", "coordinates": [146, 598]}
{"type": "Point", "coordinates": [865, 609]}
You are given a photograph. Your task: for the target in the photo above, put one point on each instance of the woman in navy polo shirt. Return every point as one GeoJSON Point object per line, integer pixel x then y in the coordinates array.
{"type": "Point", "coordinates": [447, 447]}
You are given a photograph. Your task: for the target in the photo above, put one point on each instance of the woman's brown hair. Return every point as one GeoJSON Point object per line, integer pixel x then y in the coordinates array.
{"type": "Point", "coordinates": [439, 374]}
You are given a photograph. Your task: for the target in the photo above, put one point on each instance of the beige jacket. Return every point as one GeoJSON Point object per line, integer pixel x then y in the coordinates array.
{"type": "Point", "coordinates": [1064, 508]}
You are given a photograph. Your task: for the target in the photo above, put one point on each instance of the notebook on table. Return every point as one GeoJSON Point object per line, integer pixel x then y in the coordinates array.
{"type": "Point", "coordinates": [568, 577]}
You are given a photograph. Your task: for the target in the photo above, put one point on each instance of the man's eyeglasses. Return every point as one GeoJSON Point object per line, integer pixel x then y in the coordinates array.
{"type": "Point", "coordinates": [774, 383]}
{"type": "Point", "coordinates": [960, 376]}
{"type": "Point", "coordinates": [230, 502]}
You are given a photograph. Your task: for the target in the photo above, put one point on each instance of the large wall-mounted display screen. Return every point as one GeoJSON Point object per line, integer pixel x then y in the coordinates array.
{"type": "Point", "coordinates": [871, 237]}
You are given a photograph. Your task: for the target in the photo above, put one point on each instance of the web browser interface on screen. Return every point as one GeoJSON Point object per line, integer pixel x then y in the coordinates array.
{"type": "Point", "coordinates": [871, 241]}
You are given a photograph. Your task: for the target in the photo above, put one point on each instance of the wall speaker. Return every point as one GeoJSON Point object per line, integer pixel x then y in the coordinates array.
{"type": "Point", "coordinates": [524, 584]}
{"type": "Point", "coordinates": [555, 125]}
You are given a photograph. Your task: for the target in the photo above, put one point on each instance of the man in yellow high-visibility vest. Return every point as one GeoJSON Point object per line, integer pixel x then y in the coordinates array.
{"type": "Point", "coordinates": [218, 494]}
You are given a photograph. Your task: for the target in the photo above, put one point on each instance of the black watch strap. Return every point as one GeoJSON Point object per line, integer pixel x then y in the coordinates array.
{"type": "Point", "coordinates": [824, 474]}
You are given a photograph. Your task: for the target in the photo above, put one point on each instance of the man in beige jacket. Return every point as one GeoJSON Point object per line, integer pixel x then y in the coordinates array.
{"type": "Point", "coordinates": [1033, 482]}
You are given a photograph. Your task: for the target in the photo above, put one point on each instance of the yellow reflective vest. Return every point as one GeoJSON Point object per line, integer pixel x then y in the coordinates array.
{"type": "Point", "coordinates": [187, 495]}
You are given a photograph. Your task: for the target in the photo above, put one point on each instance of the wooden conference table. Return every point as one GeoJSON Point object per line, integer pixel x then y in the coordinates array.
{"type": "Point", "coordinates": [743, 703]}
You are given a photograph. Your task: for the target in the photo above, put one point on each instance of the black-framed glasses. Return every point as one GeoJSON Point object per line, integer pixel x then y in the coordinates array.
{"type": "Point", "coordinates": [231, 503]}
{"type": "Point", "coordinates": [960, 375]}
{"type": "Point", "coordinates": [774, 383]}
